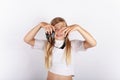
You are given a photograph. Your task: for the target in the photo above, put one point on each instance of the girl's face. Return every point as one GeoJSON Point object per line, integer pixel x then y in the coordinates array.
{"type": "Point", "coordinates": [59, 30]}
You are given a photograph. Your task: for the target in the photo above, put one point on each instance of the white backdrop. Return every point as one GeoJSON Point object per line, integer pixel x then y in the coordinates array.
{"type": "Point", "coordinates": [99, 17]}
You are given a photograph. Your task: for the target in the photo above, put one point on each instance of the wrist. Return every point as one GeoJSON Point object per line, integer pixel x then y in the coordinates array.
{"type": "Point", "coordinates": [43, 24]}
{"type": "Point", "coordinates": [77, 27]}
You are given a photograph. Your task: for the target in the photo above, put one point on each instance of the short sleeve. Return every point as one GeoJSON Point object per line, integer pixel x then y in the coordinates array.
{"type": "Point", "coordinates": [39, 44]}
{"type": "Point", "coordinates": [78, 45]}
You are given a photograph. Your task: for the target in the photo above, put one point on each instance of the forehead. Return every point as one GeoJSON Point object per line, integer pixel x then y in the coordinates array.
{"type": "Point", "coordinates": [60, 23]}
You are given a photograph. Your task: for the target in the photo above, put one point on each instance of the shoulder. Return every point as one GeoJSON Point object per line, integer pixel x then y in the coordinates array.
{"type": "Point", "coordinates": [78, 45]}
{"type": "Point", "coordinates": [76, 42]}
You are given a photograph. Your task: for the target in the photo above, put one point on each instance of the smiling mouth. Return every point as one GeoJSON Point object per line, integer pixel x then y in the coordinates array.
{"type": "Point", "coordinates": [59, 35]}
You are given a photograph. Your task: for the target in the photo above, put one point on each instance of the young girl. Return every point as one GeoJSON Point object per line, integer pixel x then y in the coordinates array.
{"type": "Point", "coordinates": [58, 48]}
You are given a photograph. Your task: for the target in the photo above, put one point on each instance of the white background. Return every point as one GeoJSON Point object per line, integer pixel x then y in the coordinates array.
{"type": "Point", "coordinates": [99, 17]}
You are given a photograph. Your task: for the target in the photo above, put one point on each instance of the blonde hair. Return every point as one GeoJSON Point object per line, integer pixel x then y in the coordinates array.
{"type": "Point", "coordinates": [50, 46]}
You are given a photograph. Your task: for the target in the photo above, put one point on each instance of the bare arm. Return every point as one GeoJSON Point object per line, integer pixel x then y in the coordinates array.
{"type": "Point", "coordinates": [29, 37]}
{"type": "Point", "coordinates": [89, 40]}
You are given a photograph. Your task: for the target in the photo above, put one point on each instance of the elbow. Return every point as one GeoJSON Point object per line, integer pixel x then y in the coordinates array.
{"type": "Point", "coordinates": [26, 40]}
{"type": "Point", "coordinates": [94, 44]}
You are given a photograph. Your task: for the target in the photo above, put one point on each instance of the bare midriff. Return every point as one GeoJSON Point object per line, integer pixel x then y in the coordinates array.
{"type": "Point", "coordinates": [52, 76]}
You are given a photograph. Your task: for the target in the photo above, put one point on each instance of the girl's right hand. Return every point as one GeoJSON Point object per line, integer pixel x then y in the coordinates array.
{"type": "Point", "coordinates": [48, 28]}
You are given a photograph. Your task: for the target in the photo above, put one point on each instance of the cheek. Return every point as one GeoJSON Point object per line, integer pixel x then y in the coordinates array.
{"type": "Point", "coordinates": [58, 27]}
{"type": "Point", "coordinates": [59, 33]}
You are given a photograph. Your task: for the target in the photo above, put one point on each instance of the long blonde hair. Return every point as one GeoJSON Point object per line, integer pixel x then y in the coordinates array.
{"type": "Point", "coordinates": [50, 46]}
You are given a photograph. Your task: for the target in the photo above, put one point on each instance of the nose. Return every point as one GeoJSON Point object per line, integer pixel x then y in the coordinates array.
{"type": "Point", "coordinates": [59, 33]}
{"type": "Point", "coordinates": [59, 30]}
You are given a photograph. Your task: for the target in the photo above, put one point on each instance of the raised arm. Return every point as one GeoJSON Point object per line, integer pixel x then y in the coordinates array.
{"type": "Point", "coordinates": [89, 40]}
{"type": "Point", "coordinates": [29, 37]}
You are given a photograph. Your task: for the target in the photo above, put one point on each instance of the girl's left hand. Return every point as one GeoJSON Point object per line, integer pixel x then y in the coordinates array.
{"type": "Point", "coordinates": [70, 29]}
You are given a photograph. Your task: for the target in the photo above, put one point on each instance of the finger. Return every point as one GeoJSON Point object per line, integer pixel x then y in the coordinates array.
{"type": "Point", "coordinates": [64, 31]}
{"type": "Point", "coordinates": [49, 30]}
{"type": "Point", "coordinates": [53, 28]}
{"type": "Point", "coordinates": [46, 30]}
{"type": "Point", "coordinates": [67, 32]}
{"type": "Point", "coordinates": [64, 28]}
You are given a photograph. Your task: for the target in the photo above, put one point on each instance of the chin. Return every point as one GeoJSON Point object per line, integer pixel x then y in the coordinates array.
{"type": "Point", "coordinates": [59, 38]}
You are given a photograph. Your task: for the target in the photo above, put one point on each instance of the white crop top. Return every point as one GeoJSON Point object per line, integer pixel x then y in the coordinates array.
{"type": "Point", "coordinates": [58, 61]}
